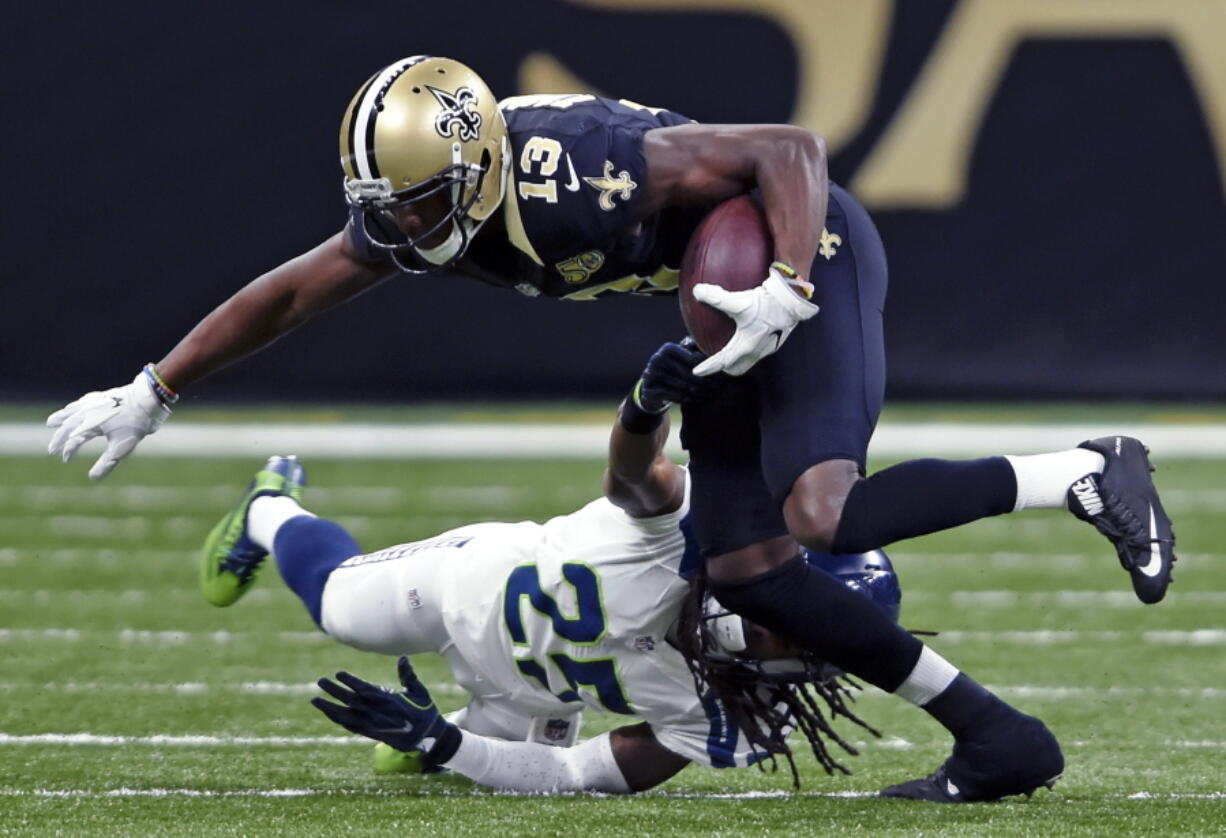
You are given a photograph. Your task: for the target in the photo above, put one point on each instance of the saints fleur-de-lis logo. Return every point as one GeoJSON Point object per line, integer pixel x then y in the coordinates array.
{"type": "Point", "coordinates": [612, 187]}
{"type": "Point", "coordinates": [457, 112]}
{"type": "Point", "coordinates": [829, 244]}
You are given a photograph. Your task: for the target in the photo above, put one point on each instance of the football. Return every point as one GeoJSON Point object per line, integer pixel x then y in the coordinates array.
{"type": "Point", "coordinates": [731, 248]}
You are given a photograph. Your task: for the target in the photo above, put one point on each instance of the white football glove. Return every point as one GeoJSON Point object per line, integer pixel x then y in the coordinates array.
{"type": "Point", "coordinates": [764, 318]}
{"type": "Point", "coordinates": [124, 415]}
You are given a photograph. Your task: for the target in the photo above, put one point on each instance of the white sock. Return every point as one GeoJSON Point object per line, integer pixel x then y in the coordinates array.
{"type": "Point", "coordinates": [930, 677]}
{"type": "Point", "coordinates": [266, 515]}
{"type": "Point", "coordinates": [1043, 480]}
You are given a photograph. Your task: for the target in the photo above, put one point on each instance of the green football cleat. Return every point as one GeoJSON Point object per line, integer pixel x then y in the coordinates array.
{"type": "Point", "coordinates": [231, 560]}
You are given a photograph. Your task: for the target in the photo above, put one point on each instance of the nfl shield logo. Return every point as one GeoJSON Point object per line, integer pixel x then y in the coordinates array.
{"type": "Point", "coordinates": [645, 643]}
{"type": "Point", "coordinates": [556, 729]}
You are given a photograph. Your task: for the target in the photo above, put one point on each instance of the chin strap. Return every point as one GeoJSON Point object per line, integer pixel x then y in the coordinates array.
{"type": "Point", "coordinates": [448, 250]}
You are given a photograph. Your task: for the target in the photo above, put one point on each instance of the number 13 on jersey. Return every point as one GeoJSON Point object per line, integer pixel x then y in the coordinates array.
{"type": "Point", "coordinates": [586, 628]}
{"type": "Point", "coordinates": [540, 157]}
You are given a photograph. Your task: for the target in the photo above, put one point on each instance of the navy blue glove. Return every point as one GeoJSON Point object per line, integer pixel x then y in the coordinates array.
{"type": "Point", "coordinates": [669, 378]}
{"type": "Point", "coordinates": [401, 719]}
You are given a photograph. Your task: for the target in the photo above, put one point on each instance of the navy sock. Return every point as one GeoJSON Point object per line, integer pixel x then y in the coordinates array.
{"type": "Point", "coordinates": [812, 608]}
{"type": "Point", "coordinates": [923, 496]}
{"type": "Point", "coordinates": [965, 706]}
{"type": "Point", "coordinates": [308, 550]}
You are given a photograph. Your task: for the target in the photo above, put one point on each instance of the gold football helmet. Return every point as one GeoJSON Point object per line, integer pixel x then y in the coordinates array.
{"type": "Point", "coordinates": [421, 126]}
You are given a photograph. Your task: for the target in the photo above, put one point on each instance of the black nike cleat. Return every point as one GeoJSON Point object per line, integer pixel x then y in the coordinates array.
{"type": "Point", "coordinates": [1017, 758]}
{"type": "Point", "coordinates": [1123, 505]}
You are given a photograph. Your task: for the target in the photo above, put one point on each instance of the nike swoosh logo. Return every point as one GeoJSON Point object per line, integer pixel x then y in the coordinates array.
{"type": "Point", "coordinates": [778, 336]}
{"type": "Point", "coordinates": [1154, 566]}
{"type": "Point", "coordinates": [573, 185]}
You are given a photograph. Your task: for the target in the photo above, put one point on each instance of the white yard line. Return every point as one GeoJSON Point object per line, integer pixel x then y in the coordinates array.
{"type": "Point", "coordinates": [104, 597]}
{"type": "Point", "coordinates": [282, 688]}
{"type": "Point", "coordinates": [1193, 637]}
{"type": "Point", "coordinates": [1187, 743]}
{"type": "Point", "coordinates": [1050, 562]}
{"type": "Point", "coordinates": [781, 794]}
{"type": "Point", "coordinates": [1061, 599]}
{"type": "Point", "coordinates": [1064, 693]}
{"type": "Point", "coordinates": [148, 498]}
{"type": "Point", "coordinates": [1190, 637]}
{"type": "Point", "coordinates": [164, 637]}
{"type": "Point", "coordinates": [183, 688]}
{"type": "Point", "coordinates": [510, 441]}
{"type": "Point", "coordinates": [93, 556]}
{"type": "Point", "coordinates": [74, 739]}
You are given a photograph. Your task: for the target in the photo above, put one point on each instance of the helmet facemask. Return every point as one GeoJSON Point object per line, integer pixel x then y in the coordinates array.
{"type": "Point", "coordinates": [378, 202]}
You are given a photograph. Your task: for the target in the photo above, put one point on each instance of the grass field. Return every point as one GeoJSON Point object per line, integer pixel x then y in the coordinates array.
{"type": "Point", "coordinates": [128, 706]}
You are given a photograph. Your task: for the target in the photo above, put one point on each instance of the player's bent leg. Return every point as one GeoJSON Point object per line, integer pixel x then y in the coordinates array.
{"type": "Point", "coordinates": [910, 499]}
{"type": "Point", "coordinates": [1104, 481]}
{"type": "Point", "coordinates": [815, 506]}
{"type": "Point", "coordinates": [388, 602]}
{"type": "Point", "coordinates": [231, 557]}
{"type": "Point", "coordinates": [998, 751]}
{"type": "Point", "coordinates": [814, 609]}
{"type": "Point", "coordinates": [308, 550]}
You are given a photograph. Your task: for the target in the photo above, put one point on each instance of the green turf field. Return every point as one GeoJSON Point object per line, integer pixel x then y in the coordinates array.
{"type": "Point", "coordinates": [190, 720]}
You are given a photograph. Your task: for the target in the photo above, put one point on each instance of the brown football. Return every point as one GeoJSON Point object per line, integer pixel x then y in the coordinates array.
{"type": "Point", "coordinates": [731, 248]}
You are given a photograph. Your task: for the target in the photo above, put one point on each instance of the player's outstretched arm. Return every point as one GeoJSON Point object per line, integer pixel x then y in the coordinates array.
{"type": "Point", "coordinates": [269, 307]}
{"type": "Point", "coordinates": [628, 759]}
{"type": "Point", "coordinates": [254, 317]}
{"type": "Point", "coordinates": [640, 478]}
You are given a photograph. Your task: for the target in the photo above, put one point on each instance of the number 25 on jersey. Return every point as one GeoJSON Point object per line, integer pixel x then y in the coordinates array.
{"type": "Point", "coordinates": [586, 628]}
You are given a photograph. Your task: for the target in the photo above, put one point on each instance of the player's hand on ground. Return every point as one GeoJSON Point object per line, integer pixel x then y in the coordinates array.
{"type": "Point", "coordinates": [124, 415]}
{"type": "Point", "coordinates": [401, 718]}
{"type": "Point", "coordinates": [669, 378]}
{"type": "Point", "coordinates": [764, 318]}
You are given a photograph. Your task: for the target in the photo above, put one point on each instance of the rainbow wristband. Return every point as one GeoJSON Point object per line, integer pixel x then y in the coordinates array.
{"type": "Point", "coordinates": [159, 386]}
{"type": "Point", "coordinates": [792, 278]}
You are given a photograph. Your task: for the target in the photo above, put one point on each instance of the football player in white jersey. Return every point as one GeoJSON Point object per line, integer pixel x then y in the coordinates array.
{"type": "Point", "coordinates": [538, 622]}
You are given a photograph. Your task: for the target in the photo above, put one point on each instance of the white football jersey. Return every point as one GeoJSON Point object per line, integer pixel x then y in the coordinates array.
{"type": "Point", "coordinates": [548, 619]}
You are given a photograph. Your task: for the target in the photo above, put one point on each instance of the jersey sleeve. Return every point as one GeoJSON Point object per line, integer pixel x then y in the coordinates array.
{"type": "Point", "coordinates": [579, 173]}
{"type": "Point", "coordinates": [692, 725]}
{"type": "Point", "coordinates": [707, 736]}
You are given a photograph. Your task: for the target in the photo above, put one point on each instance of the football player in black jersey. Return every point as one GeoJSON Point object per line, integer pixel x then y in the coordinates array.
{"type": "Point", "coordinates": [579, 197]}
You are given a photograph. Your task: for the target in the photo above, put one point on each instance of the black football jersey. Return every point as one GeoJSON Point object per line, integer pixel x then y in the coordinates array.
{"type": "Point", "coordinates": [570, 212]}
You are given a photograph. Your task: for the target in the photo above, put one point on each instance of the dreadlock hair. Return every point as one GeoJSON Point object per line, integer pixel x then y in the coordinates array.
{"type": "Point", "coordinates": [765, 706]}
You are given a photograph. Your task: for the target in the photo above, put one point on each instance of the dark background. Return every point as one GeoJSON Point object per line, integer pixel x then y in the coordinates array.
{"type": "Point", "coordinates": [157, 156]}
